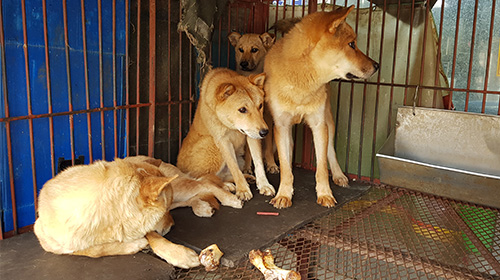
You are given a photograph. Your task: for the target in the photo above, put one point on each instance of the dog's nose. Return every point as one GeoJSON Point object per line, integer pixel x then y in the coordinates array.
{"type": "Point", "coordinates": [263, 132]}
{"type": "Point", "coordinates": [244, 64]}
{"type": "Point", "coordinates": [376, 66]}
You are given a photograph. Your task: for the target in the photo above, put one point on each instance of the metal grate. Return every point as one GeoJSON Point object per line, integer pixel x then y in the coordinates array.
{"type": "Point", "coordinates": [389, 233]}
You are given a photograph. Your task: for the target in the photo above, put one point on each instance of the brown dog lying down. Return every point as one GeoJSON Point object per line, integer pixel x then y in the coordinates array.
{"type": "Point", "coordinates": [119, 207]}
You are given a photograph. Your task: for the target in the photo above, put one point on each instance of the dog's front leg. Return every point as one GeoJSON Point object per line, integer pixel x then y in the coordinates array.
{"type": "Point", "coordinates": [174, 254]}
{"type": "Point", "coordinates": [229, 155]}
{"type": "Point", "coordinates": [283, 136]}
{"type": "Point", "coordinates": [263, 184]}
{"type": "Point", "coordinates": [320, 136]}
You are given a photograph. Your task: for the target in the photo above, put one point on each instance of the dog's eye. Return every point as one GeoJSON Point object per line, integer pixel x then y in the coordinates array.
{"type": "Point", "coordinates": [260, 106]}
{"type": "Point", "coordinates": [242, 110]}
{"type": "Point", "coordinates": [241, 50]}
{"type": "Point", "coordinates": [352, 45]}
{"type": "Point", "coordinates": [254, 50]}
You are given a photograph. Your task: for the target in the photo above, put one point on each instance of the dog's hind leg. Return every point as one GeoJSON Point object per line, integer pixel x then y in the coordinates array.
{"type": "Point", "coordinates": [114, 248]}
{"type": "Point", "coordinates": [174, 254]}
{"type": "Point", "coordinates": [338, 176]}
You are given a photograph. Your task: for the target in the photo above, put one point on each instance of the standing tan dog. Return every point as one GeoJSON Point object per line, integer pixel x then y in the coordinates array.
{"type": "Point", "coordinates": [250, 52]}
{"type": "Point", "coordinates": [229, 114]}
{"type": "Point", "coordinates": [320, 48]}
{"type": "Point", "coordinates": [119, 207]}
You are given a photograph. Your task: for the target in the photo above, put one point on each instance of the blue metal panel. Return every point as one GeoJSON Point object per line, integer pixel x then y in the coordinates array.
{"type": "Point", "coordinates": [17, 94]}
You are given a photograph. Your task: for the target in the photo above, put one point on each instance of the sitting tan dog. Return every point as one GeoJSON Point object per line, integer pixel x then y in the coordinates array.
{"type": "Point", "coordinates": [229, 114]}
{"type": "Point", "coordinates": [119, 207]}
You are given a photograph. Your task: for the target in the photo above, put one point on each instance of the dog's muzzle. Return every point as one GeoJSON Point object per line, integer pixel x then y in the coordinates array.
{"type": "Point", "coordinates": [244, 65]}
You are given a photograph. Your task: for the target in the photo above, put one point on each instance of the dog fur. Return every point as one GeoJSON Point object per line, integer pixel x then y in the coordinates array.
{"type": "Point", "coordinates": [250, 52]}
{"type": "Point", "coordinates": [319, 48]}
{"type": "Point", "coordinates": [229, 114]}
{"type": "Point", "coordinates": [118, 208]}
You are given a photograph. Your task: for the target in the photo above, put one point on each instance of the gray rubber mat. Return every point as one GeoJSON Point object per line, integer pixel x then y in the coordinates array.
{"type": "Point", "coordinates": [22, 257]}
{"type": "Point", "coordinates": [237, 231]}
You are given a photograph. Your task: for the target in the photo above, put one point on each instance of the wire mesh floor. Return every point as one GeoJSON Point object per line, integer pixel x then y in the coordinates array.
{"type": "Point", "coordinates": [389, 233]}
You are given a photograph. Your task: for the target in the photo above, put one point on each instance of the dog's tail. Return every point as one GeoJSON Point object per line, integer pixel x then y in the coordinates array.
{"type": "Point", "coordinates": [285, 25]}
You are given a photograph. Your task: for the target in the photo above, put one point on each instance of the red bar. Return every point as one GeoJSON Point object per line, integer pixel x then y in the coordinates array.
{"type": "Point", "coordinates": [127, 82]}
{"type": "Point", "coordinates": [7, 131]}
{"type": "Point", "coordinates": [229, 7]}
{"type": "Point", "coordinates": [86, 70]}
{"type": "Point", "coordinates": [409, 50]}
{"type": "Point", "coordinates": [115, 122]}
{"type": "Point", "coordinates": [169, 80]}
{"type": "Point", "coordinates": [268, 213]}
{"type": "Point", "coordinates": [389, 123]}
{"type": "Point", "coordinates": [422, 60]}
{"type": "Point", "coordinates": [363, 112]}
{"type": "Point", "coordinates": [472, 43]}
{"type": "Point", "coordinates": [487, 74]}
{"type": "Point", "coordinates": [138, 88]}
{"type": "Point", "coordinates": [452, 83]}
{"type": "Point", "coordinates": [49, 93]}
{"type": "Point", "coordinates": [152, 76]}
{"type": "Point", "coordinates": [28, 98]}
{"type": "Point", "coordinates": [313, 7]}
{"type": "Point", "coordinates": [179, 125]}
{"type": "Point", "coordinates": [375, 120]}
{"type": "Point", "coordinates": [68, 75]}
{"type": "Point", "coordinates": [101, 80]}
{"type": "Point", "coordinates": [438, 58]}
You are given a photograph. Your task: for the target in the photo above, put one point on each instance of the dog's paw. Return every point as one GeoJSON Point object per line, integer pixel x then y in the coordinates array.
{"type": "Point", "coordinates": [281, 202]}
{"type": "Point", "coordinates": [228, 186]}
{"type": "Point", "coordinates": [136, 245]}
{"type": "Point", "coordinates": [203, 209]}
{"type": "Point", "coordinates": [250, 178]}
{"type": "Point", "coordinates": [267, 190]}
{"type": "Point", "coordinates": [272, 169]}
{"type": "Point", "coordinates": [180, 256]}
{"type": "Point", "coordinates": [244, 195]}
{"type": "Point", "coordinates": [247, 170]}
{"type": "Point", "coordinates": [326, 200]}
{"type": "Point", "coordinates": [232, 201]}
{"type": "Point", "coordinates": [341, 180]}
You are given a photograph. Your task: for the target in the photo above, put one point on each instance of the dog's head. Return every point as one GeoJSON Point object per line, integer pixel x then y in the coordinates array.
{"type": "Point", "coordinates": [250, 50]}
{"type": "Point", "coordinates": [155, 188]}
{"type": "Point", "coordinates": [335, 49]}
{"type": "Point", "coordinates": [240, 105]}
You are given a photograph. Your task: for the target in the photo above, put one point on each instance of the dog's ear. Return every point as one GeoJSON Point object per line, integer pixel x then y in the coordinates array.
{"type": "Point", "coordinates": [153, 161]}
{"type": "Point", "coordinates": [258, 80]}
{"type": "Point", "coordinates": [338, 16]}
{"type": "Point", "coordinates": [224, 91]}
{"type": "Point", "coordinates": [152, 187]}
{"type": "Point", "coordinates": [267, 40]}
{"type": "Point", "coordinates": [234, 37]}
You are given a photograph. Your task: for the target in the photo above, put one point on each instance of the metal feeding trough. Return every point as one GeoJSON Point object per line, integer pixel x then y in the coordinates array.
{"type": "Point", "coordinates": [446, 153]}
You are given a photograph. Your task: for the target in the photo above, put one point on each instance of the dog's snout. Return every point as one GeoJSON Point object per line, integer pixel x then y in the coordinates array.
{"type": "Point", "coordinates": [244, 64]}
{"type": "Point", "coordinates": [263, 132]}
{"type": "Point", "coordinates": [376, 66]}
